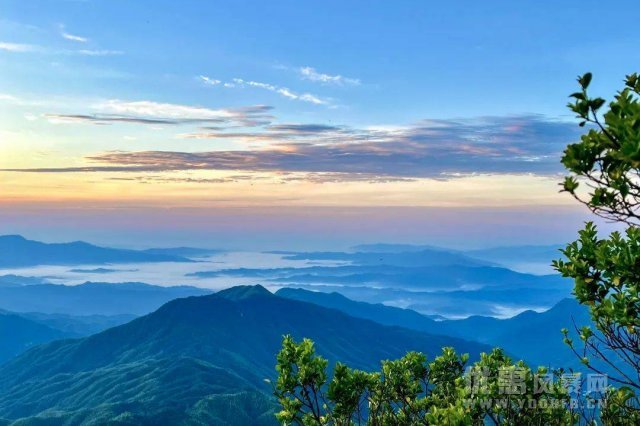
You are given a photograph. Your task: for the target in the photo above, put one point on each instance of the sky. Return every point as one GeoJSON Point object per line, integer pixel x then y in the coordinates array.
{"type": "Point", "coordinates": [298, 124]}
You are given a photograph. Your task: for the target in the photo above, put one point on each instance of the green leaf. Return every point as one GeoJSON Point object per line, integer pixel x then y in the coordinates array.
{"type": "Point", "coordinates": [585, 80]}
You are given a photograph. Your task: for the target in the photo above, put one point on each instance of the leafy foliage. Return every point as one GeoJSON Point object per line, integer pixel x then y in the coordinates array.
{"type": "Point", "coordinates": [607, 271]}
{"type": "Point", "coordinates": [413, 391]}
{"type": "Point", "coordinates": [607, 159]}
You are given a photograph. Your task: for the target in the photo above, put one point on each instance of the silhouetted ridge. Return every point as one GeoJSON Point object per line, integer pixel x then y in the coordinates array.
{"type": "Point", "coordinates": [543, 344]}
{"type": "Point", "coordinates": [26, 294]}
{"type": "Point", "coordinates": [17, 251]}
{"type": "Point", "coordinates": [242, 292]}
{"type": "Point", "coordinates": [192, 349]}
{"type": "Point", "coordinates": [19, 333]}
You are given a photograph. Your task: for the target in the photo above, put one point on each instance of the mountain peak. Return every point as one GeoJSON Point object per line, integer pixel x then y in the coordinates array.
{"type": "Point", "coordinates": [13, 237]}
{"type": "Point", "coordinates": [243, 292]}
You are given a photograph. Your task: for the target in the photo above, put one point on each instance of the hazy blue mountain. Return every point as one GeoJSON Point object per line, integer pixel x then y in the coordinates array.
{"type": "Point", "coordinates": [182, 251]}
{"type": "Point", "coordinates": [440, 277]}
{"type": "Point", "coordinates": [16, 251]}
{"type": "Point", "coordinates": [90, 298]}
{"type": "Point", "coordinates": [533, 336]}
{"type": "Point", "coordinates": [499, 301]}
{"type": "Point", "coordinates": [526, 258]}
{"type": "Point", "coordinates": [446, 290]}
{"type": "Point", "coordinates": [399, 248]}
{"type": "Point", "coordinates": [99, 270]}
{"type": "Point", "coordinates": [446, 277]}
{"type": "Point", "coordinates": [191, 355]}
{"type": "Point", "coordinates": [506, 254]}
{"type": "Point", "coordinates": [17, 280]}
{"type": "Point", "coordinates": [518, 253]}
{"type": "Point", "coordinates": [534, 259]}
{"type": "Point", "coordinates": [387, 315]}
{"type": "Point", "coordinates": [78, 326]}
{"type": "Point", "coordinates": [17, 334]}
{"type": "Point", "coordinates": [422, 257]}
{"type": "Point", "coordinates": [487, 301]}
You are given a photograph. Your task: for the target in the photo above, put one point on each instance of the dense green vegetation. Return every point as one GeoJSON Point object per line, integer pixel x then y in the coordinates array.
{"type": "Point", "coordinates": [412, 391]}
{"type": "Point", "coordinates": [606, 272]}
{"type": "Point", "coordinates": [196, 360]}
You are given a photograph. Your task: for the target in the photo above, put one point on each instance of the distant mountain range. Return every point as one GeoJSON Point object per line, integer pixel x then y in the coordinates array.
{"type": "Point", "coordinates": [521, 254]}
{"type": "Point", "coordinates": [19, 332]}
{"type": "Point", "coordinates": [399, 248]}
{"type": "Point", "coordinates": [531, 253]}
{"type": "Point", "coordinates": [16, 252]}
{"type": "Point", "coordinates": [442, 277]}
{"type": "Point", "coordinates": [134, 353]}
{"type": "Point", "coordinates": [451, 291]}
{"type": "Point", "coordinates": [422, 256]}
{"type": "Point", "coordinates": [99, 270]}
{"type": "Point", "coordinates": [78, 325]}
{"type": "Point", "coordinates": [189, 252]}
{"type": "Point", "coordinates": [197, 360]}
{"type": "Point", "coordinates": [20, 294]}
{"type": "Point", "coordinates": [430, 280]}
{"type": "Point", "coordinates": [525, 258]}
{"type": "Point", "coordinates": [534, 337]}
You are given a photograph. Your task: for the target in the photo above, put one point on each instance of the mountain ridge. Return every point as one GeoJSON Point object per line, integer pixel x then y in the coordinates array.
{"type": "Point", "coordinates": [17, 251]}
{"type": "Point", "coordinates": [239, 331]}
{"type": "Point", "coordinates": [90, 298]}
{"type": "Point", "coordinates": [537, 348]}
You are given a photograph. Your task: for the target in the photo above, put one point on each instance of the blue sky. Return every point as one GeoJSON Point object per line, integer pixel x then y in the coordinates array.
{"type": "Point", "coordinates": [414, 59]}
{"type": "Point", "coordinates": [281, 104]}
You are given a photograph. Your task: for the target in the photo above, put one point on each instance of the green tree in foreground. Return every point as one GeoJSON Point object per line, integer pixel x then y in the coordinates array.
{"type": "Point", "coordinates": [605, 176]}
{"type": "Point", "coordinates": [412, 391]}
{"type": "Point", "coordinates": [607, 158]}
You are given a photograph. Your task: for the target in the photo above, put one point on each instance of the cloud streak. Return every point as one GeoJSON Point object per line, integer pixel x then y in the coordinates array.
{"type": "Point", "coordinates": [17, 47]}
{"type": "Point", "coordinates": [209, 81]}
{"type": "Point", "coordinates": [103, 52]}
{"type": "Point", "coordinates": [282, 91]}
{"type": "Point", "coordinates": [157, 113]}
{"type": "Point", "coordinates": [440, 149]}
{"type": "Point", "coordinates": [32, 48]}
{"type": "Point", "coordinates": [309, 73]}
{"type": "Point", "coordinates": [72, 37]}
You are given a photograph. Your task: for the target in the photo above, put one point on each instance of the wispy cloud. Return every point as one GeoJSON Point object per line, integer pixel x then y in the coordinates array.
{"type": "Point", "coordinates": [158, 113]}
{"type": "Point", "coordinates": [106, 119]}
{"type": "Point", "coordinates": [72, 37]}
{"type": "Point", "coordinates": [209, 81]}
{"type": "Point", "coordinates": [103, 52]}
{"type": "Point", "coordinates": [32, 48]}
{"type": "Point", "coordinates": [440, 149]}
{"type": "Point", "coordinates": [282, 91]}
{"type": "Point", "coordinates": [8, 98]}
{"type": "Point", "coordinates": [309, 73]}
{"type": "Point", "coordinates": [17, 47]}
